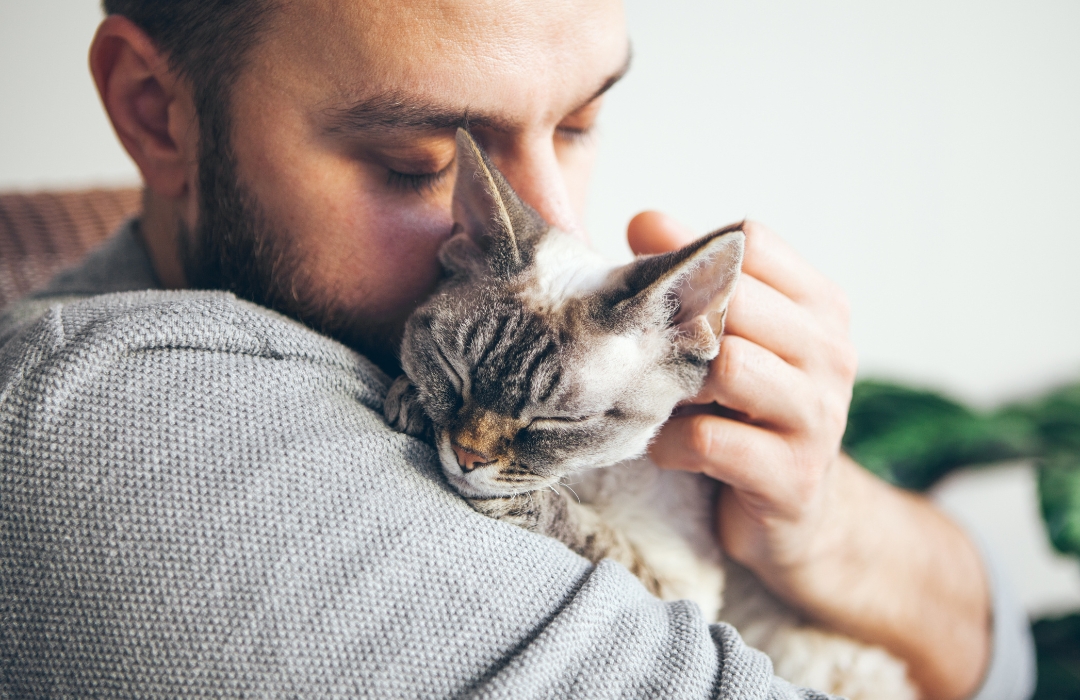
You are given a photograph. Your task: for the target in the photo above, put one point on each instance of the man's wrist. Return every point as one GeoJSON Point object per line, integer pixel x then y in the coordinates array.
{"type": "Point", "coordinates": [886, 567]}
{"type": "Point", "coordinates": [780, 547]}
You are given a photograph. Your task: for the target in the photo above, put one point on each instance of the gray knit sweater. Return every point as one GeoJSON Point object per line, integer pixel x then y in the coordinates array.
{"type": "Point", "coordinates": [199, 497]}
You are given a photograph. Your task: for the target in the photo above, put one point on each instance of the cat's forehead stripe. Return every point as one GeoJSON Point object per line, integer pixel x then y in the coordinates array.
{"type": "Point", "coordinates": [530, 387]}
{"type": "Point", "coordinates": [509, 353]}
{"type": "Point", "coordinates": [496, 334]}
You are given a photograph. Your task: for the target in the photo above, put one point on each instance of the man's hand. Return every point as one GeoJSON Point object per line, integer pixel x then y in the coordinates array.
{"type": "Point", "coordinates": [871, 561]}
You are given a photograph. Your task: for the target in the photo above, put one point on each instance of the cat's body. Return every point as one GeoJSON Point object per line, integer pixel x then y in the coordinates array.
{"type": "Point", "coordinates": [541, 372]}
{"type": "Point", "coordinates": [668, 520]}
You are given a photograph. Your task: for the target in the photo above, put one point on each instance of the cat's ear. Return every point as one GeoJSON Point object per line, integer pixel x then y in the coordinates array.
{"type": "Point", "coordinates": [688, 289]}
{"type": "Point", "coordinates": [494, 230]}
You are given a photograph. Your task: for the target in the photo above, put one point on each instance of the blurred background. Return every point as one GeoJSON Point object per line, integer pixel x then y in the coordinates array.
{"type": "Point", "coordinates": [924, 155]}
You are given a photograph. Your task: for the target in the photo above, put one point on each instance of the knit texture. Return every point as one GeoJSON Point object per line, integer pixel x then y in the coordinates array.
{"type": "Point", "coordinates": [200, 498]}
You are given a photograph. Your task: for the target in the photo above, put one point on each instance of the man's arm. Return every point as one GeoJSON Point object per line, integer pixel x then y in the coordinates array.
{"type": "Point", "coordinates": [201, 497]}
{"type": "Point", "coordinates": [856, 554]}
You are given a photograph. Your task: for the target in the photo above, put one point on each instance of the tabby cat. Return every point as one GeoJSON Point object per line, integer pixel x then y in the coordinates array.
{"type": "Point", "coordinates": [540, 373]}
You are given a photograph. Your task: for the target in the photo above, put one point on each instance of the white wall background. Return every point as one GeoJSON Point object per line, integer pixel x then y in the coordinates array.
{"type": "Point", "coordinates": [924, 154]}
{"type": "Point", "coordinates": [53, 131]}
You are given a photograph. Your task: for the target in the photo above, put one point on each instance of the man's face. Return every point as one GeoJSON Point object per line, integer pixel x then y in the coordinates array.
{"type": "Point", "coordinates": [343, 128]}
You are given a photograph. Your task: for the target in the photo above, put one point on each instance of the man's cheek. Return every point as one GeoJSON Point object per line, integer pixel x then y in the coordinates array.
{"type": "Point", "coordinates": [393, 261]}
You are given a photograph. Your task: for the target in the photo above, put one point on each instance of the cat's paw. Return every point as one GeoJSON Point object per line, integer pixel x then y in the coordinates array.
{"type": "Point", "coordinates": [403, 411]}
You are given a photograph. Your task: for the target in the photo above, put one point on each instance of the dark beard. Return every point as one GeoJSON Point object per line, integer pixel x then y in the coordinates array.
{"type": "Point", "coordinates": [236, 248]}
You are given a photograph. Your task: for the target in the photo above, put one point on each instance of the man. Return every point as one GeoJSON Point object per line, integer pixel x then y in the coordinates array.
{"type": "Point", "coordinates": [199, 495]}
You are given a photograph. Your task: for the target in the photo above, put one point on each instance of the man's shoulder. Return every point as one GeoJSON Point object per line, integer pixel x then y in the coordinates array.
{"type": "Point", "coordinates": [191, 465]}
{"type": "Point", "coordinates": [111, 306]}
{"type": "Point", "coordinates": [85, 330]}
{"type": "Point", "coordinates": [193, 383]}
{"type": "Point", "coordinates": [233, 377]}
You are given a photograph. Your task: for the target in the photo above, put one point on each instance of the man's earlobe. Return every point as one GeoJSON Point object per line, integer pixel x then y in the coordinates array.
{"type": "Point", "coordinates": [150, 108]}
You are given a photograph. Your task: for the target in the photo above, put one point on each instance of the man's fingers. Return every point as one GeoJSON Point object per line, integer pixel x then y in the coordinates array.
{"type": "Point", "coordinates": [774, 262]}
{"type": "Point", "coordinates": [766, 317]}
{"type": "Point", "coordinates": [768, 259]}
{"type": "Point", "coordinates": [749, 379]}
{"type": "Point", "coordinates": [652, 232]}
{"type": "Point", "coordinates": [744, 456]}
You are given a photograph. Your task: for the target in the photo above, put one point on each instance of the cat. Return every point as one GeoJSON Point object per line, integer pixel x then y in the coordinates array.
{"type": "Point", "coordinates": [541, 372]}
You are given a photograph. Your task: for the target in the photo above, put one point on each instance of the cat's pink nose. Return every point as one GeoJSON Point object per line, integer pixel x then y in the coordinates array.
{"type": "Point", "coordinates": [469, 460]}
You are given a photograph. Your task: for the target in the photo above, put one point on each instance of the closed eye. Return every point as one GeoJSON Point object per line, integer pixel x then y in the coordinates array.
{"type": "Point", "coordinates": [451, 373]}
{"type": "Point", "coordinates": [420, 183]}
{"type": "Point", "coordinates": [556, 422]}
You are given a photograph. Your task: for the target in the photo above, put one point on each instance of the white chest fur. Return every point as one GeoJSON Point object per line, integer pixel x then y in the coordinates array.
{"type": "Point", "coordinates": [669, 517]}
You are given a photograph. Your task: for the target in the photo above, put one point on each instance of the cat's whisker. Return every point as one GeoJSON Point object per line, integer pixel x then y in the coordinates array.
{"type": "Point", "coordinates": [573, 492]}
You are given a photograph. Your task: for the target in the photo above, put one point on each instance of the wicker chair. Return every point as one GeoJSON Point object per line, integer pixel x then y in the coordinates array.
{"type": "Point", "coordinates": [42, 233]}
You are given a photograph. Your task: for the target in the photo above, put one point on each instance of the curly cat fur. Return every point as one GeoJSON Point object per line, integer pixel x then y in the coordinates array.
{"type": "Point", "coordinates": [542, 363]}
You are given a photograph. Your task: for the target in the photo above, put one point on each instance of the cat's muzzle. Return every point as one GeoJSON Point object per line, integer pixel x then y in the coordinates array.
{"type": "Point", "coordinates": [468, 461]}
{"type": "Point", "coordinates": [475, 475]}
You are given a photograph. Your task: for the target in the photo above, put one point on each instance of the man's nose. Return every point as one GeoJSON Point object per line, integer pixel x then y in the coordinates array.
{"type": "Point", "coordinates": [533, 170]}
{"type": "Point", "coordinates": [469, 460]}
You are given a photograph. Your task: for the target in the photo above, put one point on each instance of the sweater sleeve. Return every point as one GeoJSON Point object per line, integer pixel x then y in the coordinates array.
{"type": "Point", "coordinates": [200, 498]}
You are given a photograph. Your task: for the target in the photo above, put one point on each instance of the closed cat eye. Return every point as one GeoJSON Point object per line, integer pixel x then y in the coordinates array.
{"type": "Point", "coordinates": [450, 371]}
{"type": "Point", "coordinates": [556, 422]}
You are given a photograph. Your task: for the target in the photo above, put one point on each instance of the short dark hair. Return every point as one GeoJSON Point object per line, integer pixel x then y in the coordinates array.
{"type": "Point", "coordinates": [206, 41]}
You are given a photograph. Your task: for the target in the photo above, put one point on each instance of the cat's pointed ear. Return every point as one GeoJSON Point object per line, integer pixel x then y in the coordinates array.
{"type": "Point", "coordinates": [500, 228]}
{"type": "Point", "coordinates": [688, 289]}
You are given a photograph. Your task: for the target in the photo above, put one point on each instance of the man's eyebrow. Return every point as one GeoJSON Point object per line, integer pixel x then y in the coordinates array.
{"type": "Point", "coordinates": [395, 111]}
{"type": "Point", "coordinates": [391, 111]}
{"type": "Point", "coordinates": [614, 77]}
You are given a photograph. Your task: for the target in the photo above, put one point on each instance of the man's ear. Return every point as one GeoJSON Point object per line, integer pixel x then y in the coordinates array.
{"type": "Point", "coordinates": [688, 289]}
{"type": "Point", "coordinates": [151, 109]}
{"type": "Point", "coordinates": [501, 228]}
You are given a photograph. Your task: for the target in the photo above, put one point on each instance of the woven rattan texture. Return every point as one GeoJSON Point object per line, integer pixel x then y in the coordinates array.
{"type": "Point", "coordinates": [42, 233]}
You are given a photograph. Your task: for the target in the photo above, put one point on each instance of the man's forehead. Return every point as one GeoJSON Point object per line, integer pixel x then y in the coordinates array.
{"type": "Point", "coordinates": [486, 57]}
{"type": "Point", "coordinates": [396, 110]}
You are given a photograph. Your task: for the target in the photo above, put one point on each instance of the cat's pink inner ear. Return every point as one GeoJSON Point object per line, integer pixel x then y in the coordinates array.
{"type": "Point", "coordinates": [705, 288]}
{"type": "Point", "coordinates": [696, 337]}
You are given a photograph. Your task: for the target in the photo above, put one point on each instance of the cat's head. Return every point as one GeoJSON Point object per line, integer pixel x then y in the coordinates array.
{"type": "Point", "coordinates": [535, 359]}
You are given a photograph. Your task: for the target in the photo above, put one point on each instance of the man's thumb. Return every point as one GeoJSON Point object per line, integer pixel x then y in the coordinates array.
{"type": "Point", "coordinates": [652, 232]}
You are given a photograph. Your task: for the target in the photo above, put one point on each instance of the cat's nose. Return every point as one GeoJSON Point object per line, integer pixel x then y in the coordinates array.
{"type": "Point", "coordinates": [469, 460]}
